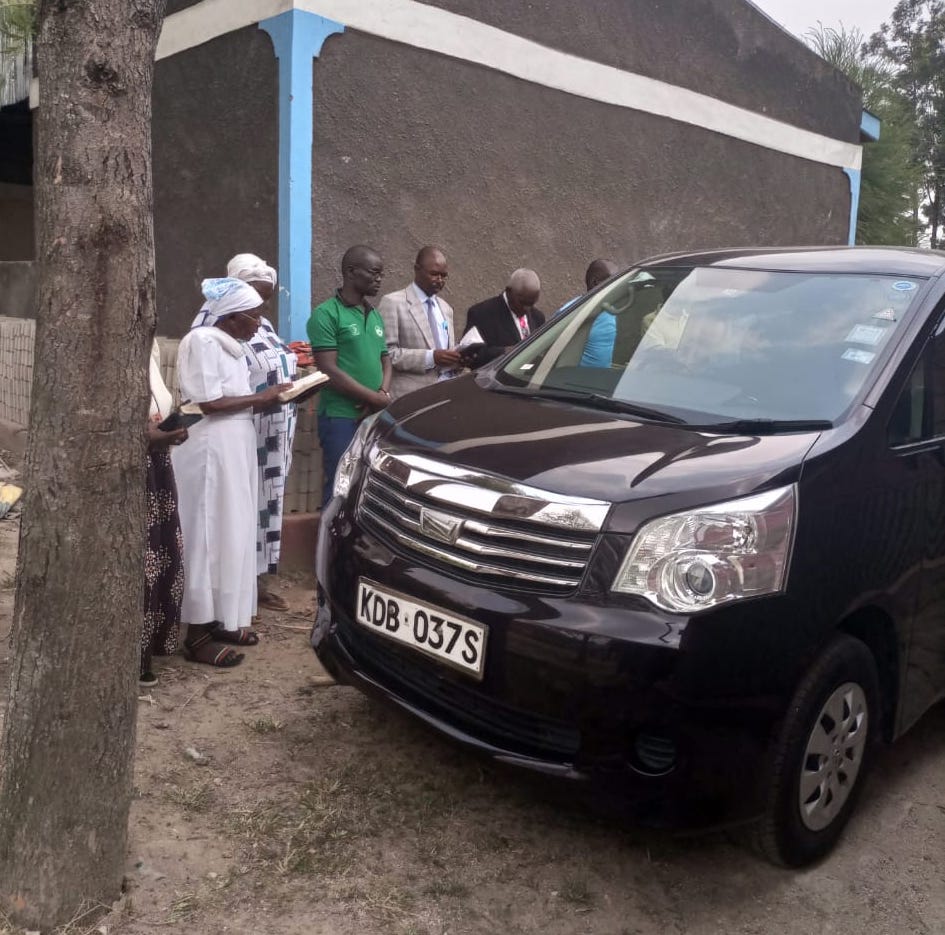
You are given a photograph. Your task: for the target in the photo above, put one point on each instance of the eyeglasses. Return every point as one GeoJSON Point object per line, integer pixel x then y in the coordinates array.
{"type": "Point", "coordinates": [253, 318]}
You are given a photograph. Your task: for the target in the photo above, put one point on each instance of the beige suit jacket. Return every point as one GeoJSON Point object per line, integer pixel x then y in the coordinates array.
{"type": "Point", "coordinates": [407, 331]}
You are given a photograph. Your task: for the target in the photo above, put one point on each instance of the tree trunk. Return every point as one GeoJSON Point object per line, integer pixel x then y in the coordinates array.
{"type": "Point", "coordinates": [68, 740]}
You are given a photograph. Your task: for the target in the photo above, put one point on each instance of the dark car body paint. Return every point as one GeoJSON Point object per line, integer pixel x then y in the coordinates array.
{"type": "Point", "coordinates": [600, 666]}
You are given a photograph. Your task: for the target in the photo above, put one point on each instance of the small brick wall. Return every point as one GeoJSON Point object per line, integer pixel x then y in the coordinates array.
{"type": "Point", "coordinates": [16, 368]}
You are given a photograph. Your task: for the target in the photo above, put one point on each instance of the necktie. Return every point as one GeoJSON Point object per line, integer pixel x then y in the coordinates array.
{"type": "Point", "coordinates": [434, 325]}
{"type": "Point", "coordinates": [523, 326]}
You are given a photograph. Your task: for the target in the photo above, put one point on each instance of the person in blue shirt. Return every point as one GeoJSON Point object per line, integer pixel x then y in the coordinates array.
{"type": "Point", "coordinates": [599, 347]}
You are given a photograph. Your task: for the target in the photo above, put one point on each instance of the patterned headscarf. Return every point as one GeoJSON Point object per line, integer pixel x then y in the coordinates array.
{"type": "Point", "coordinates": [224, 297]}
{"type": "Point", "coordinates": [250, 268]}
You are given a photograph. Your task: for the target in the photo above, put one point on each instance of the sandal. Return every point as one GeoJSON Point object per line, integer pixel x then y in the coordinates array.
{"type": "Point", "coordinates": [205, 649]}
{"type": "Point", "coordinates": [244, 636]}
{"type": "Point", "coordinates": [272, 600]}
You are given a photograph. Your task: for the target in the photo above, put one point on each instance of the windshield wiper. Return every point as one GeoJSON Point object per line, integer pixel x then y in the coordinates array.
{"type": "Point", "coordinates": [767, 426]}
{"type": "Point", "coordinates": [600, 401]}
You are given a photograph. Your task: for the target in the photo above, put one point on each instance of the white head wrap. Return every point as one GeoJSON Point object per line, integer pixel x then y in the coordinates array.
{"type": "Point", "coordinates": [227, 297]}
{"type": "Point", "coordinates": [249, 268]}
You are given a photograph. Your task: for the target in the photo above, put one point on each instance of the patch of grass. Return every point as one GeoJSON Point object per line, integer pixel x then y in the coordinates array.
{"type": "Point", "coordinates": [184, 906]}
{"type": "Point", "coordinates": [493, 840]}
{"type": "Point", "coordinates": [296, 837]}
{"type": "Point", "coordinates": [575, 890]}
{"type": "Point", "coordinates": [447, 887]}
{"type": "Point", "coordinates": [265, 725]}
{"type": "Point", "coordinates": [317, 831]}
{"type": "Point", "coordinates": [390, 903]}
{"type": "Point", "coordinates": [413, 928]}
{"type": "Point", "coordinates": [193, 798]}
{"type": "Point", "coordinates": [85, 919]}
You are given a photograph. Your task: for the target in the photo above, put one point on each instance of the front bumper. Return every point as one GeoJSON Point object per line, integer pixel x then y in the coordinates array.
{"type": "Point", "coordinates": [668, 714]}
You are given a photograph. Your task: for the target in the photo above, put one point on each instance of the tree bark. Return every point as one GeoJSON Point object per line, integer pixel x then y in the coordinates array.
{"type": "Point", "coordinates": [68, 740]}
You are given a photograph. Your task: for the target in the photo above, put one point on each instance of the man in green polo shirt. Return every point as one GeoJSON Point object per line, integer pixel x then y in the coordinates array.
{"type": "Point", "coordinates": [347, 337]}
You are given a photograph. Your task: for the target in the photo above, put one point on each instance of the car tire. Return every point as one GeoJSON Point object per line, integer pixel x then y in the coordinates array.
{"type": "Point", "coordinates": [817, 766]}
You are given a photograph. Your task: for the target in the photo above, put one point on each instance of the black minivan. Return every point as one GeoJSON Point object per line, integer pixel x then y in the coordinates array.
{"type": "Point", "coordinates": [686, 542]}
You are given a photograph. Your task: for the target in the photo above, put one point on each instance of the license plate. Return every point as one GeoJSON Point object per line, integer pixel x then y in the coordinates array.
{"type": "Point", "coordinates": [454, 640]}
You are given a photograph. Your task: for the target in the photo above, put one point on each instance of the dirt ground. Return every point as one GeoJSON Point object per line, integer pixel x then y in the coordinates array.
{"type": "Point", "coordinates": [311, 809]}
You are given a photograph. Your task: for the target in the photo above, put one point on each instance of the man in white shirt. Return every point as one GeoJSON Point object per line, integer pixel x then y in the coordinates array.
{"type": "Point", "coordinates": [418, 325]}
{"type": "Point", "coordinates": [506, 319]}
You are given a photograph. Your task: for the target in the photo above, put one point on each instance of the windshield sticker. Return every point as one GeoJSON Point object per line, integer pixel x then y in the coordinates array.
{"type": "Point", "coordinates": [865, 334]}
{"type": "Point", "coordinates": [903, 285]}
{"type": "Point", "coordinates": [860, 357]}
{"type": "Point", "coordinates": [886, 314]}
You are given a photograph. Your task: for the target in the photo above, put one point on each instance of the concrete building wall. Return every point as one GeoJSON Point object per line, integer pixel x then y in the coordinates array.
{"type": "Point", "coordinates": [16, 222]}
{"type": "Point", "coordinates": [215, 139]}
{"type": "Point", "coordinates": [16, 168]}
{"type": "Point", "coordinates": [18, 289]}
{"type": "Point", "coordinates": [726, 49]}
{"type": "Point", "coordinates": [412, 147]}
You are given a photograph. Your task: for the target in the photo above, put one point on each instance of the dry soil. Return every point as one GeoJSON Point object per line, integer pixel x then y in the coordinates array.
{"type": "Point", "coordinates": [311, 809]}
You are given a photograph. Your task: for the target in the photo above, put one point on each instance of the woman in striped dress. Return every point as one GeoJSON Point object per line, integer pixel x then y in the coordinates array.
{"type": "Point", "coordinates": [270, 363]}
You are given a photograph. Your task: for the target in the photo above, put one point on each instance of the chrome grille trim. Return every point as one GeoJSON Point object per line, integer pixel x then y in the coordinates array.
{"type": "Point", "coordinates": [483, 530]}
{"type": "Point", "coordinates": [489, 494]}
{"type": "Point", "coordinates": [478, 568]}
{"type": "Point", "coordinates": [429, 510]}
{"type": "Point", "coordinates": [406, 521]}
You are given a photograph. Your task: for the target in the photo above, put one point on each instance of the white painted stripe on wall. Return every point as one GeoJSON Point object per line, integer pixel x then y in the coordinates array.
{"type": "Point", "coordinates": [211, 18]}
{"type": "Point", "coordinates": [427, 27]}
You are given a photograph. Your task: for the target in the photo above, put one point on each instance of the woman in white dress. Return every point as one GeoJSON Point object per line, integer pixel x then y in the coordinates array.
{"type": "Point", "coordinates": [217, 475]}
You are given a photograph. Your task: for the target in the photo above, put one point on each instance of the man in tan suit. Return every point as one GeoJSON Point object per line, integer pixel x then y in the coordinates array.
{"type": "Point", "coordinates": [419, 327]}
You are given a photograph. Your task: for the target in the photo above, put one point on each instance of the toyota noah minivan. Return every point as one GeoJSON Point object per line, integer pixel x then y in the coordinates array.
{"type": "Point", "coordinates": [705, 571]}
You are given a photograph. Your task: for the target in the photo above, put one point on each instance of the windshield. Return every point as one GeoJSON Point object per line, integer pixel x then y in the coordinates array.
{"type": "Point", "coordinates": [714, 345]}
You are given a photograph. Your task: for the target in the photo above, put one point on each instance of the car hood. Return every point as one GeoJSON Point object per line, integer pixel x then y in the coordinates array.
{"type": "Point", "coordinates": [578, 451]}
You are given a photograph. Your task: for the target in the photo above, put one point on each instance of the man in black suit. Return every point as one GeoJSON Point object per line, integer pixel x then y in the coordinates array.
{"type": "Point", "coordinates": [505, 320]}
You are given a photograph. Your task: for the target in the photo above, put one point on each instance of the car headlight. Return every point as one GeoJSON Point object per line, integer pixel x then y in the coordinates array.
{"type": "Point", "coordinates": [714, 554]}
{"type": "Point", "coordinates": [349, 460]}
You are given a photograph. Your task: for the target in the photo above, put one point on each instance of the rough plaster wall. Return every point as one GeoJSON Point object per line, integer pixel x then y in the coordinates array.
{"type": "Point", "coordinates": [175, 6]}
{"type": "Point", "coordinates": [216, 166]}
{"type": "Point", "coordinates": [18, 289]}
{"type": "Point", "coordinates": [16, 222]}
{"type": "Point", "coordinates": [724, 48]}
{"type": "Point", "coordinates": [413, 148]}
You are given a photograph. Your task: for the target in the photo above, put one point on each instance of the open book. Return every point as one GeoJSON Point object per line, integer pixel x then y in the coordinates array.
{"type": "Point", "coordinates": [303, 387]}
{"type": "Point", "coordinates": [189, 413]}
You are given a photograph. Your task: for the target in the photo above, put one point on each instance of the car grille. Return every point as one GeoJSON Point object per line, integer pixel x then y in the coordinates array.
{"type": "Point", "coordinates": [481, 716]}
{"type": "Point", "coordinates": [477, 547]}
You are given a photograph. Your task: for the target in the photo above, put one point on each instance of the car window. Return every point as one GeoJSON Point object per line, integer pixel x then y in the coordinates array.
{"type": "Point", "coordinates": [919, 414]}
{"type": "Point", "coordinates": [717, 343]}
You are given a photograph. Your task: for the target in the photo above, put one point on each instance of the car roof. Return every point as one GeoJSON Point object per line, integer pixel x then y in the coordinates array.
{"type": "Point", "coordinates": [892, 261]}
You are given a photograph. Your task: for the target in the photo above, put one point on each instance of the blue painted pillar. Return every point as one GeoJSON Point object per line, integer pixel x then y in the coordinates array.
{"type": "Point", "coordinates": [855, 176]}
{"type": "Point", "coordinates": [870, 128]}
{"type": "Point", "coordinates": [297, 37]}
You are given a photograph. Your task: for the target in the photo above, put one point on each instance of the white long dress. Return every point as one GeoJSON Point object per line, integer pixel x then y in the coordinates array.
{"type": "Point", "coordinates": [270, 362]}
{"type": "Point", "coordinates": [217, 481]}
